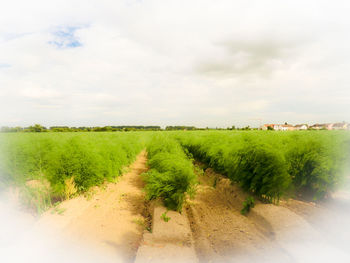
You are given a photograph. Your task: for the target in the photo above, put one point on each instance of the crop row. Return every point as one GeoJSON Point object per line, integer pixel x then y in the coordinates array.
{"type": "Point", "coordinates": [271, 164]}
{"type": "Point", "coordinates": [171, 174]}
{"type": "Point", "coordinates": [70, 163]}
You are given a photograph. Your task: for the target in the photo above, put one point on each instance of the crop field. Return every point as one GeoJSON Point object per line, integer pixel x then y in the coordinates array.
{"type": "Point", "coordinates": [64, 164]}
{"type": "Point", "coordinates": [213, 180]}
{"type": "Point", "coordinates": [269, 165]}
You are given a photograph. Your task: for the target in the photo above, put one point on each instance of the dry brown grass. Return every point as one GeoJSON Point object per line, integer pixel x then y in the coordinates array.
{"type": "Point", "coordinates": [70, 188]}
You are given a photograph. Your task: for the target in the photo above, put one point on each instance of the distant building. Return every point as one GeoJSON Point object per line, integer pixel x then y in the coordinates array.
{"type": "Point", "coordinates": [278, 127]}
{"type": "Point", "coordinates": [329, 126]}
{"type": "Point", "coordinates": [340, 126]}
{"type": "Point", "coordinates": [323, 126]}
{"type": "Point", "coordinates": [287, 127]}
{"type": "Point", "coordinates": [299, 127]}
{"type": "Point", "coordinates": [266, 126]}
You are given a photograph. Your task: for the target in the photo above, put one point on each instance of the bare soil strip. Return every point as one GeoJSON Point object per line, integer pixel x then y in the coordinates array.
{"type": "Point", "coordinates": [219, 229]}
{"type": "Point", "coordinates": [222, 234]}
{"type": "Point", "coordinates": [171, 239]}
{"type": "Point", "coordinates": [113, 219]}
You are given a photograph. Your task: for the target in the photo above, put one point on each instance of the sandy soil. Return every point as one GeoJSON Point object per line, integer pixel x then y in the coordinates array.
{"type": "Point", "coordinates": [329, 217]}
{"type": "Point", "coordinates": [170, 241]}
{"type": "Point", "coordinates": [112, 219]}
{"type": "Point", "coordinates": [222, 234]}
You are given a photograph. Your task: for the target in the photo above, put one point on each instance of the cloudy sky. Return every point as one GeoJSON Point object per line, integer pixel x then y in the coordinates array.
{"type": "Point", "coordinates": [161, 62]}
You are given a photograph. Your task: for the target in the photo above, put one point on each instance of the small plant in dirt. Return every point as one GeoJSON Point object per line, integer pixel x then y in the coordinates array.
{"type": "Point", "coordinates": [215, 182]}
{"type": "Point", "coordinates": [89, 194]}
{"type": "Point", "coordinates": [142, 223]}
{"type": "Point", "coordinates": [36, 198]}
{"type": "Point", "coordinates": [247, 205]}
{"type": "Point", "coordinates": [57, 209]}
{"type": "Point", "coordinates": [198, 170]}
{"type": "Point", "coordinates": [165, 217]}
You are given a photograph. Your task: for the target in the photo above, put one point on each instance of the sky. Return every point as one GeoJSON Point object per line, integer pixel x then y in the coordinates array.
{"type": "Point", "coordinates": [160, 62]}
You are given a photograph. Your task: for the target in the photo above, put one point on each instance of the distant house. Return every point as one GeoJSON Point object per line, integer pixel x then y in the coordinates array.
{"type": "Point", "coordinates": [287, 127]}
{"type": "Point", "coordinates": [266, 127]}
{"type": "Point", "coordinates": [299, 127]}
{"type": "Point", "coordinates": [278, 127]}
{"type": "Point", "coordinates": [340, 126]}
{"type": "Point", "coordinates": [323, 126]}
{"type": "Point", "coordinates": [329, 126]}
{"type": "Point", "coordinates": [317, 127]}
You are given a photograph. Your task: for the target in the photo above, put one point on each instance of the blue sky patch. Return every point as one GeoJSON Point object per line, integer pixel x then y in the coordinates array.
{"type": "Point", "coordinates": [4, 65]}
{"type": "Point", "coordinates": [65, 38]}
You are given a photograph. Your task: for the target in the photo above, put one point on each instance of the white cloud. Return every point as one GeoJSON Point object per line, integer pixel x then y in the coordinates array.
{"type": "Point", "coordinates": [205, 63]}
{"type": "Point", "coordinates": [39, 93]}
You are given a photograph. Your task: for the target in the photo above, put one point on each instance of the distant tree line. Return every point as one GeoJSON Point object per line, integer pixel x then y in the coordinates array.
{"type": "Point", "coordinates": [40, 128]}
{"type": "Point", "coordinates": [179, 128]}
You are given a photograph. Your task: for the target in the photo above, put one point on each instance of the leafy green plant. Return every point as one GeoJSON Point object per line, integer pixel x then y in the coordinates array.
{"type": "Point", "coordinates": [171, 175]}
{"type": "Point", "coordinates": [142, 223]}
{"type": "Point", "coordinates": [262, 171]}
{"type": "Point", "coordinates": [58, 210]}
{"type": "Point", "coordinates": [248, 204]}
{"type": "Point", "coordinates": [165, 217]}
{"type": "Point", "coordinates": [313, 167]}
{"type": "Point", "coordinates": [37, 198]}
{"type": "Point", "coordinates": [216, 179]}
{"type": "Point", "coordinates": [198, 170]}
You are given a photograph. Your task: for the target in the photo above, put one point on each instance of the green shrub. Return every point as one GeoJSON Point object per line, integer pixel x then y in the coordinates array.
{"type": "Point", "coordinates": [37, 198]}
{"type": "Point", "coordinates": [171, 175]}
{"type": "Point", "coordinates": [261, 170]}
{"type": "Point", "coordinates": [248, 204]}
{"type": "Point", "coordinates": [313, 167]}
{"type": "Point", "coordinates": [75, 159]}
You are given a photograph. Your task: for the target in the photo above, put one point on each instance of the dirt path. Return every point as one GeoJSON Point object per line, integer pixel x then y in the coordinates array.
{"type": "Point", "coordinates": [113, 219]}
{"type": "Point", "coordinates": [222, 234]}
{"type": "Point", "coordinates": [218, 227]}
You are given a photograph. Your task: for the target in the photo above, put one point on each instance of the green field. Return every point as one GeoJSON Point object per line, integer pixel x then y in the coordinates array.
{"type": "Point", "coordinates": [65, 161]}
{"type": "Point", "coordinates": [269, 165]}
{"type": "Point", "coordinates": [275, 164]}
